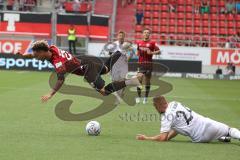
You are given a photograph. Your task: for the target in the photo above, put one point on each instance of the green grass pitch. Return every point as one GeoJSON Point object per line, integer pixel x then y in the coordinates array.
{"type": "Point", "coordinates": [29, 130]}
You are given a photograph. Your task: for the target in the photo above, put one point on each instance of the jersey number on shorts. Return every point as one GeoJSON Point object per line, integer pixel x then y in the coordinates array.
{"type": "Point", "coordinates": [182, 113]}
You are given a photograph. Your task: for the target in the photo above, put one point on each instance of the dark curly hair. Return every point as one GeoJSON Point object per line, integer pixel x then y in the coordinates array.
{"type": "Point", "coordinates": [40, 45]}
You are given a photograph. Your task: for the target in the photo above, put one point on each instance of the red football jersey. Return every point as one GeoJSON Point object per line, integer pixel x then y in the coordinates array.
{"type": "Point", "coordinates": [142, 47]}
{"type": "Point", "coordinates": [64, 62]}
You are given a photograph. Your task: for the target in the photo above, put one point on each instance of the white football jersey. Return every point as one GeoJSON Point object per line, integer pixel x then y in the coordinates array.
{"type": "Point", "coordinates": [120, 68]}
{"type": "Point", "coordinates": [188, 123]}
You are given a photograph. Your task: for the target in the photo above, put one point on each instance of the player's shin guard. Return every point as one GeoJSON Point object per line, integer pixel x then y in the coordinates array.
{"type": "Point", "coordinates": [114, 86]}
{"type": "Point", "coordinates": [234, 133]}
{"type": "Point", "coordinates": [112, 60]}
{"type": "Point", "coordinates": [147, 90]}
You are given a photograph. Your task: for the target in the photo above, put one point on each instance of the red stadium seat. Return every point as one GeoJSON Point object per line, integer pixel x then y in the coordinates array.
{"type": "Point", "coordinates": [238, 17]}
{"type": "Point", "coordinates": [197, 23]}
{"type": "Point", "coordinates": [214, 41]}
{"type": "Point", "coordinates": [138, 36]}
{"type": "Point", "coordinates": [180, 22]}
{"type": "Point", "coordinates": [139, 1]}
{"type": "Point", "coordinates": [148, 7]}
{"type": "Point", "coordinates": [164, 1]}
{"type": "Point", "coordinates": [163, 29]}
{"type": "Point", "coordinates": [156, 8]}
{"type": "Point", "coordinates": [180, 29]}
{"type": "Point", "coordinates": [237, 24]}
{"type": "Point", "coordinates": [230, 17]}
{"type": "Point", "coordinates": [139, 7]}
{"type": "Point", "coordinates": [138, 28]}
{"type": "Point", "coordinates": [156, 1]}
{"type": "Point", "coordinates": [155, 14]}
{"type": "Point", "coordinates": [189, 15]}
{"type": "Point", "coordinates": [180, 9]}
{"type": "Point", "coordinates": [148, 1]}
{"type": "Point", "coordinates": [172, 22]}
{"type": "Point", "coordinates": [147, 21]}
{"type": "Point", "coordinates": [181, 15]}
{"type": "Point", "coordinates": [172, 29]}
{"type": "Point", "coordinates": [181, 2]}
{"type": "Point", "coordinates": [164, 15]}
{"type": "Point", "coordinates": [231, 24]}
{"type": "Point", "coordinates": [231, 31]}
{"type": "Point", "coordinates": [147, 26]}
{"type": "Point", "coordinates": [164, 8]}
{"type": "Point", "coordinates": [189, 9]}
{"type": "Point", "coordinates": [214, 24]}
{"type": "Point", "coordinates": [214, 16]}
{"type": "Point", "coordinates": [214, 31]}
{"type": "Point", "coordinates": [222, 24]}
{"type": "Point", "coordinates": [189, 22]}
{"type": "Point", "coordinates": [189, 30]}
{"type": "Point", "coordinates": [189, 2]}
{"type": "Point", "coordinates": [172, 15]}
{"type": "Point", "coordinates": [205, 23]}
{"type": "Point", "coordinates": [214, 9]}
{"type": "Point", "coordinates": [197, 30]}
{"type": "Point", "coordinates": [147, 14]}
{"type": "Point", "coordinates": [155, 37]}
{"type": "Point", "coordinates": [221, 3]}
{"type": "Point", "coordinates": [155, 29]}
{"type": "Point", "coordinates": [197, 16]}
{"type": "Point", "coordinates": [205, 16]}
{"type": "Point", "coordinates": [205, 31]}
{"type": "Point", "coordinates": [164, 21]}
{"type": "Point", "coordinates": [222, 17]}
{"type": "Point", "coordinates": [222, 31]}
{"type": "Point", "coordinates": [155, 21]}
{"type": "Point", "coordinates": [214, 2]}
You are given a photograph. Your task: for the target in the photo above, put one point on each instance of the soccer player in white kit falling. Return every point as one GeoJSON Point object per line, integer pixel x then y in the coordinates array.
{"type": "Point", "coordinates": [178, 119]}
{"type": "Point", "coordinates": [120, 68]}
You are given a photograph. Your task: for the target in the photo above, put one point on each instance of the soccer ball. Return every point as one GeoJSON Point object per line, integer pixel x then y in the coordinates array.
{"type": "Point", "coordinates": [93, 128]}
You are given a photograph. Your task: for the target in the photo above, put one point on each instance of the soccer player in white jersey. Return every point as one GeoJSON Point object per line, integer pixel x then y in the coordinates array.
{"type": "Point", "coordinates": [120, 68]}
{"type": "Point", "coordinates": [178, 119]}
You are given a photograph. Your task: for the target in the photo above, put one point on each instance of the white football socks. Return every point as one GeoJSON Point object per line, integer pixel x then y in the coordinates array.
{"type": "Point", "coordinates": [234, 133]}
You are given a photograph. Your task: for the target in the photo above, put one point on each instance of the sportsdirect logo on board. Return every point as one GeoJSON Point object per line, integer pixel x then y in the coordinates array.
{"type": "Point", "coordinates": [33, 64]}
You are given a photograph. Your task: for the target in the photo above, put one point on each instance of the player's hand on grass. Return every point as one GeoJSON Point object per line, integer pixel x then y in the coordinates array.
{"type": "Point", "coordinates": [141, 137]}
{"type": "Point", "coordinates": [45, 98]}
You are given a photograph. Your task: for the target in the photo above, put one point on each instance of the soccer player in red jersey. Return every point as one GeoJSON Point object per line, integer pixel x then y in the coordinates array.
{"type": "Point", "coordinates": [64, 62]}
{"type": "Point", "coordinates": [146, 48]}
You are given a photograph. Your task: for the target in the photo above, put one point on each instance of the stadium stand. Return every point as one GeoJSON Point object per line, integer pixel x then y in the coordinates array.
{"type": "Point", "coordinates": [213, 29]}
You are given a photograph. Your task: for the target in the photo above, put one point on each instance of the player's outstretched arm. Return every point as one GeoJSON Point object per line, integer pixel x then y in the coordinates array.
{"type": "Point", "coordinates": [25, 55]}
{"type": "Point", "coordinates": [172, 134]}
{"type": "Point", "coordinates": [57, 86]}
{"type": "Point", "coordinates": [161, 137]}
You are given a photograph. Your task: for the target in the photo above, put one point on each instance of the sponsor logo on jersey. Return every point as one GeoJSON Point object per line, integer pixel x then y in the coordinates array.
{"type": "Point", "coordinates": [59, 64]}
